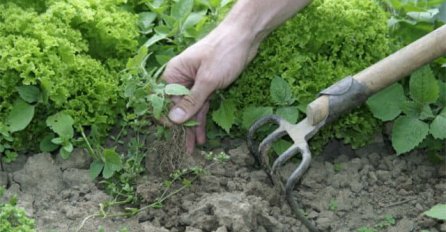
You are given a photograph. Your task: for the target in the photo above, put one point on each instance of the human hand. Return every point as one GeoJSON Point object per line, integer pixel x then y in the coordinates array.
{"type": "Point", "coordinates": [212, 63]}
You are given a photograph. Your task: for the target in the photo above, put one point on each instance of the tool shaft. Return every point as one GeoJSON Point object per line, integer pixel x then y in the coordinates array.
{"type": "Point", "coordinates": [383, 73]}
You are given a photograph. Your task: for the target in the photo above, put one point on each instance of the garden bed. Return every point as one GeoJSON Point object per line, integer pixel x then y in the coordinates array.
{"type": "Point", "coordinates": [370, 189]}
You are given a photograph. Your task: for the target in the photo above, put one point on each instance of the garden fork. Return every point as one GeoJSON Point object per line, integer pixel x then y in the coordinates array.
{"type": "Point", "coordinates": [337, 99]}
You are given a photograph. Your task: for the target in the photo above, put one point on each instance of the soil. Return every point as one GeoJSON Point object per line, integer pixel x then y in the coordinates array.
{"type": "Point", "coordinates": [344, 190]}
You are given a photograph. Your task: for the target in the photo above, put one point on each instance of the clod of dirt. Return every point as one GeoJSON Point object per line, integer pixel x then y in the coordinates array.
{"type": "Point", "coordinates": [233, 210]}
{"type": "Point", "coordinates": [40, 176]}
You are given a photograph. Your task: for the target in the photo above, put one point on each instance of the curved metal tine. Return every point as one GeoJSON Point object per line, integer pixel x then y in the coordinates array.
{"type": "Point", "coordinates": [300, 170]}
{"type": "Point", "coordinates": [252, 130]}
{"type": "Point", "coordinates": [292, 181]}
{"type": "Point", "coordinates": [284, 157]}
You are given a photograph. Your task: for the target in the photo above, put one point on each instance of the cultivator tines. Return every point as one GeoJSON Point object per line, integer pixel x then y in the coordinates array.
{"type": "Point", "coordinates": [300, 146]}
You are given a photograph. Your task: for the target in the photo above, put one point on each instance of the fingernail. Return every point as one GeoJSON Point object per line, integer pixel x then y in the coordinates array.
{"type": "Point", "coordinates": [177, 114]}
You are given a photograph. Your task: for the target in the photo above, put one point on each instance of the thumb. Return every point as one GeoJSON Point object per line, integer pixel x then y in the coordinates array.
{"type": "Point", "coordinates": [189, 105]}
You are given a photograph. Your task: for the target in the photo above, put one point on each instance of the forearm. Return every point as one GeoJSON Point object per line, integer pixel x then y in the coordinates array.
{"type": "Point", "coordinates": [257, 18]}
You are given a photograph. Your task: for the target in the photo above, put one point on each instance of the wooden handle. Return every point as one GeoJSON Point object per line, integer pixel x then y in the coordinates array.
{"type": "Point", "coordinates": [389, 70]}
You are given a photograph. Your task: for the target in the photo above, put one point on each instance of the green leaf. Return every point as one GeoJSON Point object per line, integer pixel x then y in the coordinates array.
{"type": "Point", "coordinates": [62, 124]}
{"type": "Point", "coordinates": [46, 145]}
{"type": "Point", "coordinates": [191, 123]}
{"type": "Point", "coordinates": [291, 113]}
{"type": "Point", "coordinates": [424, 87]}
{"type": "Point", "coordinates": [182, 8]}
{"type": "Point", "coordinates": [438, 126]}
{"type": "Point", "coordinates": [145, 21]}
{"type": "Point", "coordinates": [281, 146]}
{"type": "Point", "coordinates": [281, 92]}
{"type": "Point", "coordinates": [57, 140]}
{"type": "Point", "coordinates": [411, 108]}
{"type": "Point", "coordinates": [157, 105]}
{"type": "Point", "coordinates": [176, 89]}
{"type": "Point", "coordinates": [251, 114]}
{"type": "Point", "coordinates": [137, 62]}
{"type": "Point", "coordinates": [29, 93]}
{"type": "Point", "coordinates": [20, 116]}
{"type": "Point", "coordinates": [408, 133]}
{"type": "Point", "coordinates": [68, 147]}
{"type": "Point", "coordinates": [437, 212]}
{"type": "Point", "coordinates": [225, 115]}
{"type": "Point", "coordinates": [193, 19]}
{"type": "Point", "coordinates": [64, 153]}
{"type": "Point", "coordinates": [96, 168]}
{"type": "Point", "coordinates": [442, 98]}
{"type": "Point", "coordinates": [112, 160]}
{"type": "Point", "coordinates": [386, 104]}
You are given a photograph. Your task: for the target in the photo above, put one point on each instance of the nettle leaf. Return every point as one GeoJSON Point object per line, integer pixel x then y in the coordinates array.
{"type": "Point", "coordinates": [437, 212]}
{"type": "Point", "coordinates": [411, 108]}
{"type": "Point", "coordinates": [225, 115]}
{"type": "Point", "coordinates": [20, 116]}
{"type": "Point", "coordinates": [438, 126]}
{"type": "Point", "coordinates": [408, 133]}
{"type": "Point", "coordinates": [386, 104]}
{"type": "Point", "coordinates": [291, 113]}
{"type": "Point", "coordinates": [280, 92]}
{"type": "Point", "coordinates": [62, 124]}
{"type": "Point", "coordinates": [251, 114]}
{"type": "Point", "coordinates": [193, 19]}
{"type": "Point", "coordinates": [29, 93]}
{"type": "Point", "coordinates": [176, 89]}
{"type": "Point", "coordinates": [424, 87]}
{"type": "Point", "coordinates": [157, 105]}
{"type": "Point", "coordinates": [182, 8]}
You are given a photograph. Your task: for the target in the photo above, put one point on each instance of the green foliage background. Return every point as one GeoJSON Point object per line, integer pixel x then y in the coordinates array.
{"type": "Point", "coordinates": [329, 40]}
{"type": "Point", "coordinates": [72, 51]}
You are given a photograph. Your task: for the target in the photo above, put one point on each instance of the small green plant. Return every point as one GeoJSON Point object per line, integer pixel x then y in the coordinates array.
{"type": "Point", "coordinates": [333, 205]}
{"type": "Point", "coordinates": [437, 212]}
{"type": "Point", "coordinates": [387, 221]}
{"type": "Point", "coordinates": [13, 218]}
{"type": "Point", "coordinates": [420, 115]}
{"type": "Point", "coordinates": [366, 229]}
{"type": "Point", "coordinates": [338, 167]}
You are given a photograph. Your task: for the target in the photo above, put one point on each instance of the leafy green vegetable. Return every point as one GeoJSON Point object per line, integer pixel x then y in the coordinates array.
{"type": "Point", "coordinates": [281, 92]}
{"type": "Point", "coordinates": [20, 116]}
{"type": "Point", "coordinates": [251, 114]}
{"type": "Point", "coordinates": [407, 133]}
{"type": "Point", "coordinates": [290, 113]}
{"type": "Point", "coordinates": [62, 124]}
{"type": "Point", "coordinates": [424, 87]}
{"type": "Point", "coordinates": [176, 89]}
{"type": "Point", "coordinates": [438, 126]}
{"type": "Point", "coordinates": [225, 115]}
{"type": "Point", "coordinates": [386, 105]}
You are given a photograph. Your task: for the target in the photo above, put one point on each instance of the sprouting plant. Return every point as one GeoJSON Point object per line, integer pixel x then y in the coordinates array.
{"type": "Point", "coordinates": [387, 221]}
{"type": "Point", "coordinates": [333, 205]}
{"type": "Point", "coordinates": [365, 229]}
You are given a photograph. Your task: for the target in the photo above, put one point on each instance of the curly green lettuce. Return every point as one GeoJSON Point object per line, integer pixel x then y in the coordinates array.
{"type": "Point", "coordinates": [72, 51]}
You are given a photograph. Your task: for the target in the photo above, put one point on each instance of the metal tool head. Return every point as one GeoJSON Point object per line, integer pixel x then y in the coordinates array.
{"type": "Point", "coordinates": [300, 133]}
